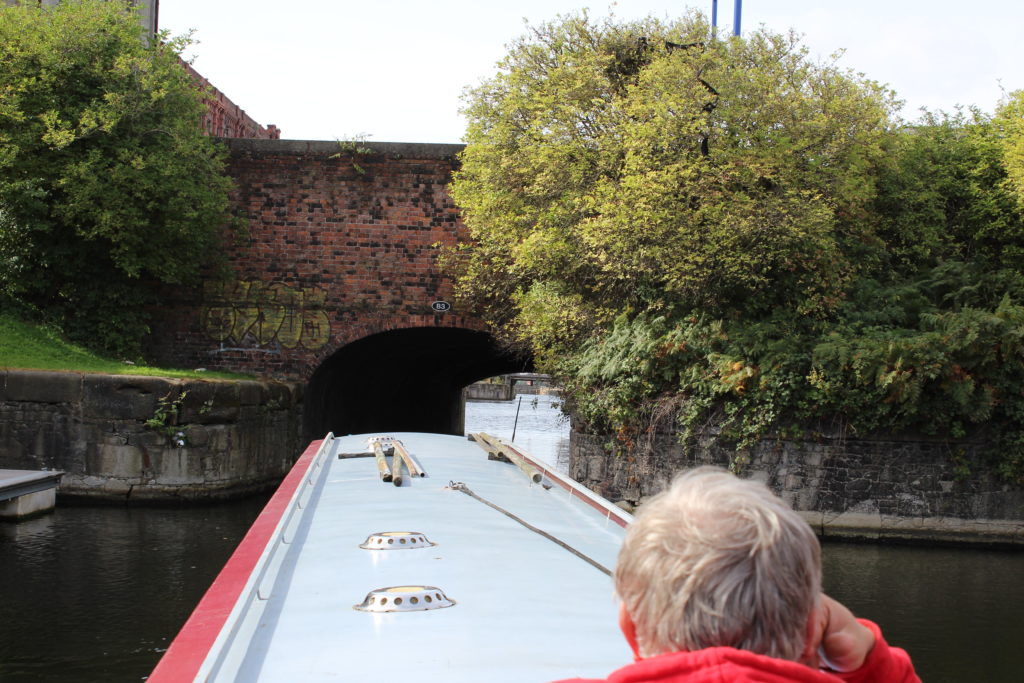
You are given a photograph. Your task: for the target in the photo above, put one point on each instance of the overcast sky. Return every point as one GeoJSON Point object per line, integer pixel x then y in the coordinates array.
{"type": "Point", "coordinates": [394, 70]}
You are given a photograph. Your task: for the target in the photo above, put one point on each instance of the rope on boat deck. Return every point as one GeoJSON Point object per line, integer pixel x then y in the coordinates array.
{"type": "Point", "coordinates": [459, 486]}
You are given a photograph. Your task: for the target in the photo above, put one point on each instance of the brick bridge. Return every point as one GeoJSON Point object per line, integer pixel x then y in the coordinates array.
{"type": "Point", "coordinates": [334, 283]}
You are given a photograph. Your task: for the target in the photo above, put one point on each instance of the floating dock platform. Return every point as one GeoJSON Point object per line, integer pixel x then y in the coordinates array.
{"type": "Point", "coordinates": [27, 493]}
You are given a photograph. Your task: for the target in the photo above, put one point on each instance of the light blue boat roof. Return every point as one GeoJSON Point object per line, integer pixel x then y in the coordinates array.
{"type": "Point", "coordinates": [526, 608]}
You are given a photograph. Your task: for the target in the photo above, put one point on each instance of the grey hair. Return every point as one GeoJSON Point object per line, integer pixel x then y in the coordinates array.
{"type": "Point", "coordinates": [715, 560]}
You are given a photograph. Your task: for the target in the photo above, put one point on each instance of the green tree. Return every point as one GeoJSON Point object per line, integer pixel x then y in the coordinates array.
{"type": "Point", "coordinates": [728, 232]}
{"type": "Point", "coordinates": [636, 166]}
{"type": "Point", "coordinates": [928, 338]}
{"type": "Point", "coordinates": [108, 188]}
{"type": "Point", "coordinates": [1010, 120]}
{"type": "Point", "coordinates": [945, 195]}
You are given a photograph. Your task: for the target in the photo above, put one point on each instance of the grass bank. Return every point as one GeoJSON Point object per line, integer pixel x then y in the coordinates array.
{"type": "Point", "coordinates": [26, 346]}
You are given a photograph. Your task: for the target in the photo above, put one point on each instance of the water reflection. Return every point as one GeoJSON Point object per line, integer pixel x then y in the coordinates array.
{"type": "Point", "coordinates": [956, 610]}
{"type": "Point", "coordinates": [536, 421]}
{"type": "Point", "coordinates": [94, 594]}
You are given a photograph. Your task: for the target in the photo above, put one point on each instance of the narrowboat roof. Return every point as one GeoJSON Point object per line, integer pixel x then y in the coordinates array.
{"type": "Point", "coordinates": [512, 573]}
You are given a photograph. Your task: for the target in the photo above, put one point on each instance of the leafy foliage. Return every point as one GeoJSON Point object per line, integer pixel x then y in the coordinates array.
{"type": "Point", "coordinates": [728, 232]}
{"type": "Point", "coordinates": [645, 165]}
{"type": "Point", "coordinates": [165, 418]}
{"type": "Point", "coordinates": [1010, 123]}
{"type": "Point", "coordinates": [946, 195]}
{"type": "Point", "coordinates": [107, 185]}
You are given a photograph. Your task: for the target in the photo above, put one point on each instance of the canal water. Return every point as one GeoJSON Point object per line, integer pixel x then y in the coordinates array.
{"type": "Point", "coordinates": [535, 421]}
{"type": "Point", "coordinates": [90, 594]}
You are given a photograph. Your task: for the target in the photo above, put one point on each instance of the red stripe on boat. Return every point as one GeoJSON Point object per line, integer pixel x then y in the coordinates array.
{"type": "Point", "coordinates": [190, 647]}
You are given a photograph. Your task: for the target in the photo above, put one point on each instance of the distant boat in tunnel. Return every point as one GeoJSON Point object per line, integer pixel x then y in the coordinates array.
{"type": "Point", "coordinates": [408, 379]}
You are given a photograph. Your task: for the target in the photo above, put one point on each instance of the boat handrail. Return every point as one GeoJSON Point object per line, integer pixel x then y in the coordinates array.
{"type": "Point", "coordinates": [574, 490]}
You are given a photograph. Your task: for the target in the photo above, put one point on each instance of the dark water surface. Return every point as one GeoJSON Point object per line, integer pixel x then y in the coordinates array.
{"type": "Point", "coordinates": [956, 610]}
{"type": "Point", "coordinates": [91, 594]}
{"type": "Point", "coordinates": [96, 594]}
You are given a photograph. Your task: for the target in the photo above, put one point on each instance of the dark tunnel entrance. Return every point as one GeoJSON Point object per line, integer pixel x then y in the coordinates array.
{"type": "Point", "coordinates": [407, 380]}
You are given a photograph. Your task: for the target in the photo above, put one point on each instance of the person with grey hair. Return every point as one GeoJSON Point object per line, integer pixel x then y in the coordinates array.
{"type": "Point", "coordinates": [719, 580]}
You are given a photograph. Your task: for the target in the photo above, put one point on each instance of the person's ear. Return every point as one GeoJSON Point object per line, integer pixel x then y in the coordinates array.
{"type": "Point", "coordinates": [628, 630]}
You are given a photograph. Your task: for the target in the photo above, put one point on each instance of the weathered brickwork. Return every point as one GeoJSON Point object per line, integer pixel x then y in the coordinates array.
{"type": "Point", "coordinates": [896, 487]}
{"type": "Point", "coordinates": [338, 247]}
{"type": "Point", "coordinates": [225, 119]}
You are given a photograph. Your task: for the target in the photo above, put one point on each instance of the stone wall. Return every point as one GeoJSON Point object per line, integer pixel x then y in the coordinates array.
{"type": "Point", "coordinates": [896, 488]}
{"type": "Point", "coordinates": [229, 438]}
{"type": "Point", "coordinates": [488, 391]}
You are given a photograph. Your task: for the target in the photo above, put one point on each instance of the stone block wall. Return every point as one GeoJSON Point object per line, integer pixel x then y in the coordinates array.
{"type": "Point", "coordinates": [228, 438]}
{"type": "Point", "coordinates": [486, 391]}
{"type": "Point", "coordinates": [881, 487]}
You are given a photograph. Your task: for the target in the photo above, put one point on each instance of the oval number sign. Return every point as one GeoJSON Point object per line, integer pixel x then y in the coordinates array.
{"type": "Point", "coordinates": [441, 306]}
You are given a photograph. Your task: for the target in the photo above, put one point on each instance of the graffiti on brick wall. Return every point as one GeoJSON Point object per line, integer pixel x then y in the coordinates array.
{"type": "Point", "coordinates": [256, 314]}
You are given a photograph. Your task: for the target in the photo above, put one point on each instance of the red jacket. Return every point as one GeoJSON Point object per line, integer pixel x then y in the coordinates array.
{"type": "Point", "coordinates": [728, 665]}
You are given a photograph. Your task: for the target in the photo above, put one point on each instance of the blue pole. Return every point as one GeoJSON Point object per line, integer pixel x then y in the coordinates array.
{"type": "Point", "coordinates": [737, 13]}
{"type": "Point", "coordinates": [714, 18]}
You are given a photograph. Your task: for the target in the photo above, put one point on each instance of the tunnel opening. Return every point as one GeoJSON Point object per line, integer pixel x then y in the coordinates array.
{"type": "Point", "coordinates": [403, 380]}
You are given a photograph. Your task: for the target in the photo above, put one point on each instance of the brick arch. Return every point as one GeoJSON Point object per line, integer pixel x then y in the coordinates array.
{"type": "Point", "coordinates": [367, 326]}
{"type": "Point", "coordinates": [402, 379]}
{"type": "Point", "coordinates": [339, 247]}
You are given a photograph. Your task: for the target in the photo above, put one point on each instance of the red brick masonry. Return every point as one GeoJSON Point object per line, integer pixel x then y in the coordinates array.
{"type": "Point", "coordinates": [339, 246]}
{"type": "Point", "coordinates": [224, 118]}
